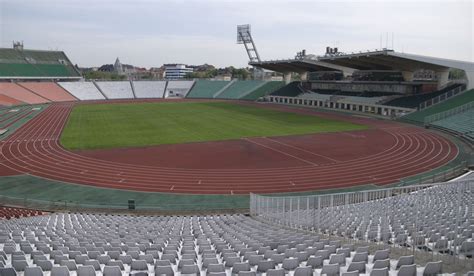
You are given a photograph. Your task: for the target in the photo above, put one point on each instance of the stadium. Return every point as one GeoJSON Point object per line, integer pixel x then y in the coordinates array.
{"type": "Point", "coordinates": [360, 166]}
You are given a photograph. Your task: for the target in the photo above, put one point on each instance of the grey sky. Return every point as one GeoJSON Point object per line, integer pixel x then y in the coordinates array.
{"type": "Point", "coordinates": [149, 33]}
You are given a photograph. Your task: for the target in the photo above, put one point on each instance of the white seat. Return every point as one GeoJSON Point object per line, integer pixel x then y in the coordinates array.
{"type": "Point", "coordinates": [32, 271]}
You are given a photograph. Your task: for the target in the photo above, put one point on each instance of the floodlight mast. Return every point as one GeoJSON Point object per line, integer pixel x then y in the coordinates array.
{"type": "Point", "coordinates": [244, 36]}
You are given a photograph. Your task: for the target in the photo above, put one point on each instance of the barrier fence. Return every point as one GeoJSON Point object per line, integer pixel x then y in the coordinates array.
{"type": "Point", "coordinates": [438, 218]}
{"type": "Point", "coordinates": [443, 97]}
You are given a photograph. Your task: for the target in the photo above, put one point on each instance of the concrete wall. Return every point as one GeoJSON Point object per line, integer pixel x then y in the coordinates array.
{"type": "Point", "coordinates": [383, 110]}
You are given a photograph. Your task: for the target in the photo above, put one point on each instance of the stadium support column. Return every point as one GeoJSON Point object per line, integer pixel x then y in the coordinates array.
{"type": "Point", "coordinates": [287, 77]}
{"type": "Point", "coordinates": [304, 76]}
{"type": "Point", "coordinates": [407, 75]}
{"type": "Point", "coordinates": [442, 77]}
{"type": "Point", "coordinates": [470, 78]}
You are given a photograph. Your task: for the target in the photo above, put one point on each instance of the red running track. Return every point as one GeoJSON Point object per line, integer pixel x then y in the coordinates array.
{"type": "Point", "coordinates": [381, 155]}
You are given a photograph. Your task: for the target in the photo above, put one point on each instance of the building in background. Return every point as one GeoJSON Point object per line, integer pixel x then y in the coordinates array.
{"type": "Point", "coordinates": [176, 71]}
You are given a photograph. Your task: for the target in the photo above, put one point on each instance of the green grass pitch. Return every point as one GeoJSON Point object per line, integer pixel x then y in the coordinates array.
{"type": "Point", "coordinates": [101, 126]}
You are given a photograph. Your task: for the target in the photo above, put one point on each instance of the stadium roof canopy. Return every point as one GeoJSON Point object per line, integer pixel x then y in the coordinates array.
{"type": "Point", "coordinates": [300, 66]}
{"type": "Point", "coordinates": [376, 60]}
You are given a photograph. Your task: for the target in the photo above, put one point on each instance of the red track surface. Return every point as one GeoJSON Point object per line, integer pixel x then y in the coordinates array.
{"type": "Point", "coordinates": [382, 155]}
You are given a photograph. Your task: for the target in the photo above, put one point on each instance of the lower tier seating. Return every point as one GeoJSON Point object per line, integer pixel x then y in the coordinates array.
{"type": "Point", "coordinates": [116, 89]}
{"type": "Point", "coordinates": [86, 244]}
{"type": "Point", "coordinates": [149, 89]}
{"type": "Point", "coordinates": [451, 103]}
{"type": "Point", "coordinates": [462, 123]}
{"type": "Point", "coordinates": [83, 90]}
{"type": "Point", "coordinates": [49, 90]}
{"type": "Point", "coordinates": [206, 88]}
{"type": "Point", "coordinates": [13, 90]}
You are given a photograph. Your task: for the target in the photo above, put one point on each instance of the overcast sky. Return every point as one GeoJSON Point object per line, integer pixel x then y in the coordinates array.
{"type": "Point", "coordinates": [149, 33]}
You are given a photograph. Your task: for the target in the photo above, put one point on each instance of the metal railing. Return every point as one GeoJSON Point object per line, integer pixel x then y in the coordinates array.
{"type": "Point", "coordinates": [406, 217]}
{"type": "Point", "coordinates": [448, 113]}
{"type": "Point", "coordinates": [443, 97]}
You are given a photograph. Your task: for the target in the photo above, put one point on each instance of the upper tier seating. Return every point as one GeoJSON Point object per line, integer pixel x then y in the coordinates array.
{"type": "Point", "coordinates": [19, 93]}
{"type": "Point", "coordinates": [82, 90]}
{"type": "Point", "coordinates": [458, 100]}
{"type": "Point", "coordinates": [314, 96]}
{"type": "Point", "coordinates": [205, 89]}
{"type": "Point", "coordinates": [49, 90]}
{"type": "Point", "coordinates": [462, 123]}
{"type": "Point", "coordinates": [225, 245]}
{"type": "Point", "coordinates": [290, 90]}
{"type": "Point", "coordinates": [116, 89]}
{"type": "Point", "coordinates": [9, 101]}
{"type": "Point", "coordinates": [34, 63]}
{"type": "Point", "coordinates": [264, 90]}
{"type": "Point", "coordinates": [365, 100]}
{"type": "Point", "coordinates": [416, 100]}
{"type": "Point", "coordinates": [149, 89]}
{"type": "Point", "coordinates": [178, 88]}
{"type": "Point", "coordinates": [239, 88]}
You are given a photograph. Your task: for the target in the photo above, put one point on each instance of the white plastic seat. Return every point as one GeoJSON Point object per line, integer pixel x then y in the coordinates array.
{"type": "Point", "coordinates": [361, 257]}
{"type": "Point", "coordinates": [356, 266]}
{"type": "Point", "coordinates": [164, 270]}
{"type": "Point", "coordinates": [215, 268]}
{"type": "Point", "coordinates": [32, 271]}
{"type": "Point", "coordinates": [382, 264]}
{"type": "Point", "coordinates": [138, 265]}
{"type": "Point", "coordinates": [351, 273]}
{"type": "Point", "coordinates": [290, 264]}
{"type": "Point", "coordinates": [93, 263]}
{"type": "Point", "coordinates": [116, 263]}
{"type": "Point", "coordinates": [190, 269]}
{"type": "Point", "coordinates": [330, 269]}
{"type": "Point", "coordinates": [7, 271]}
{"type": "Point", "coordinates": [337, 259]}
{"type": "Point", "coordinates": [276, 272]}
{"type": "Point", "coordinates": [45, 265]}
{"type": "Point", "coordinates": [265, 265]}
{"type": "Point", "coordinates": [70, 264]}
{"type": "Point", "coordinates": [379, 272]}
{"type": "Point", "coordinates": [303, 271]}
{"type": "Point", "coordinates": [381, 254]}
{"type": "Point", "coordinates": [237, 267]}
{"type": "Point", "coordinates": [19, 265]}
{"type": "Point", "coordinates": [405, 260]}
{"type": "Point", "coordinates": [433, 268]}
{"type": "Point", "coordinates": [59, 271]}
{"type": "Point", "coordinates": [85, 270]}
{"type": "Point", "coordinates": [111, 271]}
{"type": "Point", "coordinates": [407, 270]}
{"type": "Point", "coordinates": [247, 273]}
